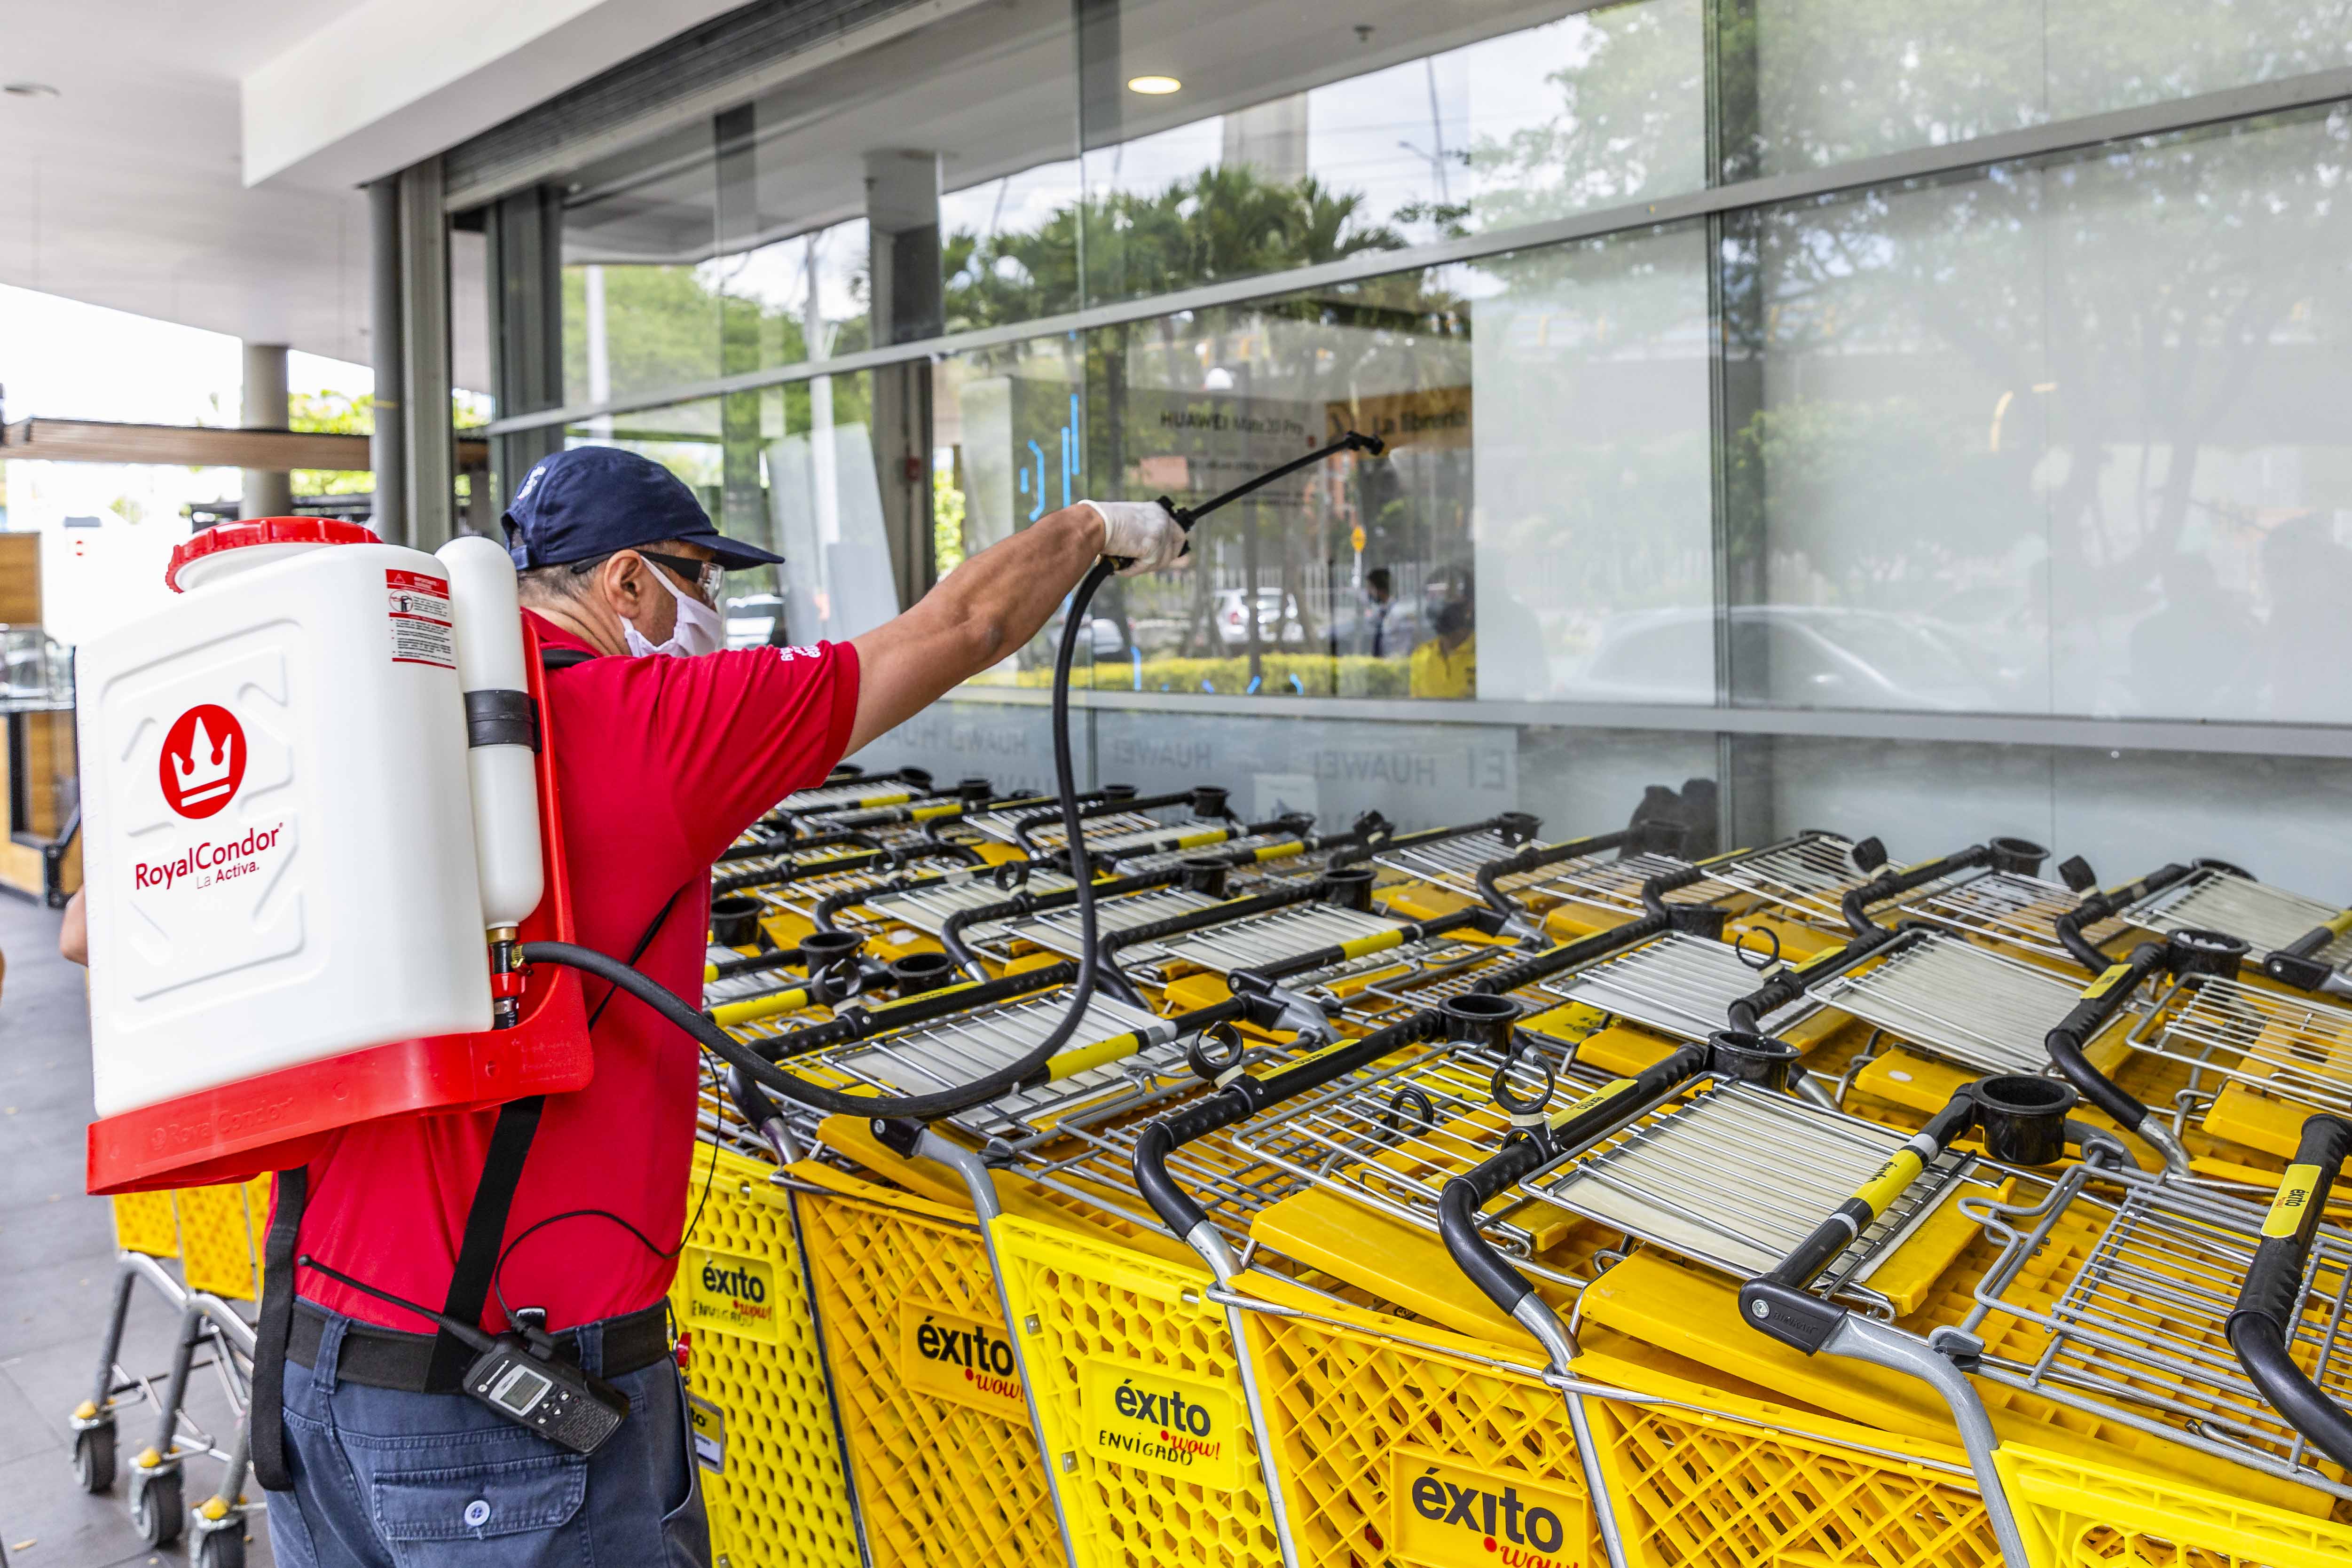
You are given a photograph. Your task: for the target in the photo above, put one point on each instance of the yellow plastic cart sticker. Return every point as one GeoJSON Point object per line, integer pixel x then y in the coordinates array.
{"type": "Point", "coordinates": [1447, 1515]}
{"type": "Point", "coordinates": [1151, 1420]}
{"type": "Point", "coordinates": [960, 1359]}
{"type": "Point", "coordinates": [2115, 975]}
{"type": "Point", "coordinates": [2295, 1189]}
{"type": "Point", "coordinates": [708, 1423]}
{"type": "Point", "coordinates": [731, 1294]}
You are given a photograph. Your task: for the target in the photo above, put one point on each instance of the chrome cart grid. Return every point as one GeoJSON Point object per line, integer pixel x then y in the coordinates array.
{"type": "Point", "coordinates": [1452, 863]}
{"type": "Point", "coordinates": [1047, 835]}
{"type": "Point", "coordinates": [1061, 930]}
{"type": "Point", "coordinates": [1806, 878]}
{"type": "Point", "coordinates": [1391, 1136]}
{"type": "Point", "coordinates": [2267, 917]}
{"type": "Point", "coordinates": [1269, 938]}
{"type": "Point", "coordinates": [1964, 1003]}
{"type": "Point", "coordinates": [2137, 1331]}
{"type": "Point", "coordinates": [2277, 1043]}
{"type": "Point", "coordinates": [1734, 1177]}
{"type": "Point", "coordinates": [1612, 884]}
{"type": "Point", "coordinates": [2005, 906]}
{"type": "Point", "coordinates": [802, 894]}
{"type": "Point", "coordinates": [927, 910]}
{"type": "Point", "coordinates": [1094, 1161]}
{"type": "Point", "coordinates": [947, 1052]}
{"type": "Point", "coordinates": [1677, 983]}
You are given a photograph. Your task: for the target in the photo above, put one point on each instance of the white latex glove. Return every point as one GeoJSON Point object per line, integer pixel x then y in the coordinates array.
{"type": "Point", "coordinates": [1141, 533]}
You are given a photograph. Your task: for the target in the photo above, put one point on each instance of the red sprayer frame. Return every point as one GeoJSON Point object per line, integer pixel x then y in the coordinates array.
{"type": "Point", "coordinates": [274, 1121]}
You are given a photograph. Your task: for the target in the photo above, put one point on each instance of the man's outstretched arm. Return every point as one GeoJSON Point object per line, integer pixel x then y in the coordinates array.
{"type": "Point", "coordinates": [994, 603]}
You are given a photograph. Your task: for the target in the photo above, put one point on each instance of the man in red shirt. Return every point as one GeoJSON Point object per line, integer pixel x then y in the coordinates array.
{"type": "Point", "coordinates": [666, 748]}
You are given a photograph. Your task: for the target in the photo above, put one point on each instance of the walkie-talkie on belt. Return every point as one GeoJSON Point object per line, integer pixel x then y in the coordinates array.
{"type": "Point", "coordinates": [519, 1376]}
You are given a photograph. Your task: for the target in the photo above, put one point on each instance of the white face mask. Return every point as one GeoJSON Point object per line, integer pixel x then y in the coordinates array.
{"type": "Point", "coordinates": [699, 629]}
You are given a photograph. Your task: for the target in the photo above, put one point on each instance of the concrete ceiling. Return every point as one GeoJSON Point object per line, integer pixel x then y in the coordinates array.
{"type": "Point", "coordinates": [200, 163]}
{"type": "Point", "coordinates": [127, 188]}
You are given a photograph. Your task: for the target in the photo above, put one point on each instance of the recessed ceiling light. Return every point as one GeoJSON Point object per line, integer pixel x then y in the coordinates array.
{"type": "Point", "coordinates": [1156, 86]}
{"type": "Point", "coordinates": [29, 90]}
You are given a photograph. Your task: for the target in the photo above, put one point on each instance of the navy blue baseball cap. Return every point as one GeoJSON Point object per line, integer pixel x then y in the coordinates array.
{"type": "Point", "coordinates": [591, 501]}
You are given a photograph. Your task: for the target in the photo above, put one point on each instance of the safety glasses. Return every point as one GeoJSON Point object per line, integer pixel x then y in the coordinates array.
{"type": "Point", "coordinates": [706, 578]}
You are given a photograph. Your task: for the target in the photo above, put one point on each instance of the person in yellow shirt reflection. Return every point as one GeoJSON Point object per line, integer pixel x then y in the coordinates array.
{"type": "Point", "coordinates": [1446, 665]}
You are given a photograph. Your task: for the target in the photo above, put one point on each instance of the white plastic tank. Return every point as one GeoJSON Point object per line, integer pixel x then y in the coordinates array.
{"type": "Point", "coordinates": [278, 834]}
{"type": "Point", "coordinates": [483, 589]}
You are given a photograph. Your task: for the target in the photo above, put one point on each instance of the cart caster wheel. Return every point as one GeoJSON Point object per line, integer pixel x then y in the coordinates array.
{"type": "Point", "coordinates": [93, 1458]}
{"type": "Point", "coordinates": [221, 1548]}
{"type": "Point", "coordinates": [160, 1509]}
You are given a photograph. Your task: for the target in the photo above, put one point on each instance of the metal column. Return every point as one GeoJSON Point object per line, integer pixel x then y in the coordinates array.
{"type": "Point", "coordinates": [424, 341]}
{"type": "Point", "coordinates": [388, 448]}
{"type": "Point", "coordinates": [262, 405]}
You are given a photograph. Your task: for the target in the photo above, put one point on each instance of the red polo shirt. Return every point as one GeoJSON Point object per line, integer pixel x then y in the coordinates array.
{"type": "Point", "coordinates": [662, 762]}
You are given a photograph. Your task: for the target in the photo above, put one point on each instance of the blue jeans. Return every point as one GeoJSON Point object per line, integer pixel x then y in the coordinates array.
{"type": "Point", "coordinates": [386, 1480]}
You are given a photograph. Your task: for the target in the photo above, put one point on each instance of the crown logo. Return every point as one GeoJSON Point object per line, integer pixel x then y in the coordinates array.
{"type": "Point", "coordinates": [204, 772]}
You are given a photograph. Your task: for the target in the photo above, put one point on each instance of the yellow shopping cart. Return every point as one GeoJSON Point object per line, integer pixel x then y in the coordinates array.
{"type": "Point", "coordinates": [212, 1233]}
{"type": "Point", "coordinates": [2074, 1322]}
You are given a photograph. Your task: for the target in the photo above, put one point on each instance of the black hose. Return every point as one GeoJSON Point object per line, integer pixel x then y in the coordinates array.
{"type": "Point", "coordinates": [922, 1107]}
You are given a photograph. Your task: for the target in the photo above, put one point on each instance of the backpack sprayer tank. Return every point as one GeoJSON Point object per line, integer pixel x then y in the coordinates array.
{"type": "Point", "coordinates": [316, 819]}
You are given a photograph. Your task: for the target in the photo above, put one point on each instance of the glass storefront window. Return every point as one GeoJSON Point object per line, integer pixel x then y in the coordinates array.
{"type": "Point", "coordinates": [1834, 80]}
{"type": "Point", "coordinates": [2125, 811]}
{"type": "Point", "coordinates": [1539, 528]}
{"type": "Point", "coordinates": [1288, 153]}
{"type": "Point", "coordinates": [2054, 438]}
{"type": "Point", "coordinates": [754, 240]}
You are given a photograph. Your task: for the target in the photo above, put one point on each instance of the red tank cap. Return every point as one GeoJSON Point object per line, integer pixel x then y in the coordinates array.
{"type": "Point", "coordinates": [263, 530]}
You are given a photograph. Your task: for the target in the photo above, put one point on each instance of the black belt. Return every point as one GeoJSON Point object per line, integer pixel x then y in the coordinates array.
{"type": "Point", "coordinates": [387, 1358]}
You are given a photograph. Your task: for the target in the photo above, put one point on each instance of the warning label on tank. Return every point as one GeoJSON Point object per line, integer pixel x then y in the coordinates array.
{"type": "Point", "coordinates": [418, 606]}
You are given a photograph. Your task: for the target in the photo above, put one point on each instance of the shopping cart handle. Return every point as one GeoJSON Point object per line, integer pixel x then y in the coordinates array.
{"type": "Point", "coordinates": [2070, 926]}
{"type": "Point", "coordinates": [1458, 1207]}
{"type": "Point", "coordinates": [1536, 858]}
{"type": "Point", "coordinates": [2185, 954]}
{"type": "Point", "coordinates": [1584, 950]}
{"type": "Point", "coordinates": [1796, 1318]}
{"type": "Point", "coordinates": [2269, 1315]}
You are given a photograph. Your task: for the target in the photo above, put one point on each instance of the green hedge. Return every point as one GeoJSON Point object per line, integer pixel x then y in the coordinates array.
{"type": "Point", "coordinates": [1316, 675]}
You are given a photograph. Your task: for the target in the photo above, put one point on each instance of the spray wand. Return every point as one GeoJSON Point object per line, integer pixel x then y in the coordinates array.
{"type": "Point", "coordinates": [758, 1071]}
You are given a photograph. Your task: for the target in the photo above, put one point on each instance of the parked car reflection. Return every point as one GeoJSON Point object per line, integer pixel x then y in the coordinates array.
{"type": "Point", "coordinates": [1799, 655]}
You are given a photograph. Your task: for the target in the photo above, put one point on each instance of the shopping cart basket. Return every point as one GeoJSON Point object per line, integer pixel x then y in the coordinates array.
{"type": "Point", "coordinates": [1119, 1060]}
{"type": "Point", "coordinates": [2233, 1066]}
{"type": "Point", "coordinates": [760, 1394]}
{"type": "Point", "coordinates": [211, 1232]}
{"type": "Point", "coordinates": [1048, 1170]}
{"type": "Point", "coordinates": [2111, 1298]}
{"type": "Point", "coordinates": [2297, 941]}
{"type": "Point", "coordinates": [1710, 1181]}
{"type": "Point", "coordinates": [1367, 1419]}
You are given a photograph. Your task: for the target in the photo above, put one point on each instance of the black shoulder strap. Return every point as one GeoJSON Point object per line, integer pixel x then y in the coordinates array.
{"type": "Point", "coordinates": [485, 1220]}
{"type": "Point", "coordinates": [563, 657]}
{"type": "Point", "coordinates": [486, 1228]}
{"type": "Point", "coordinates": [268, 1431]}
